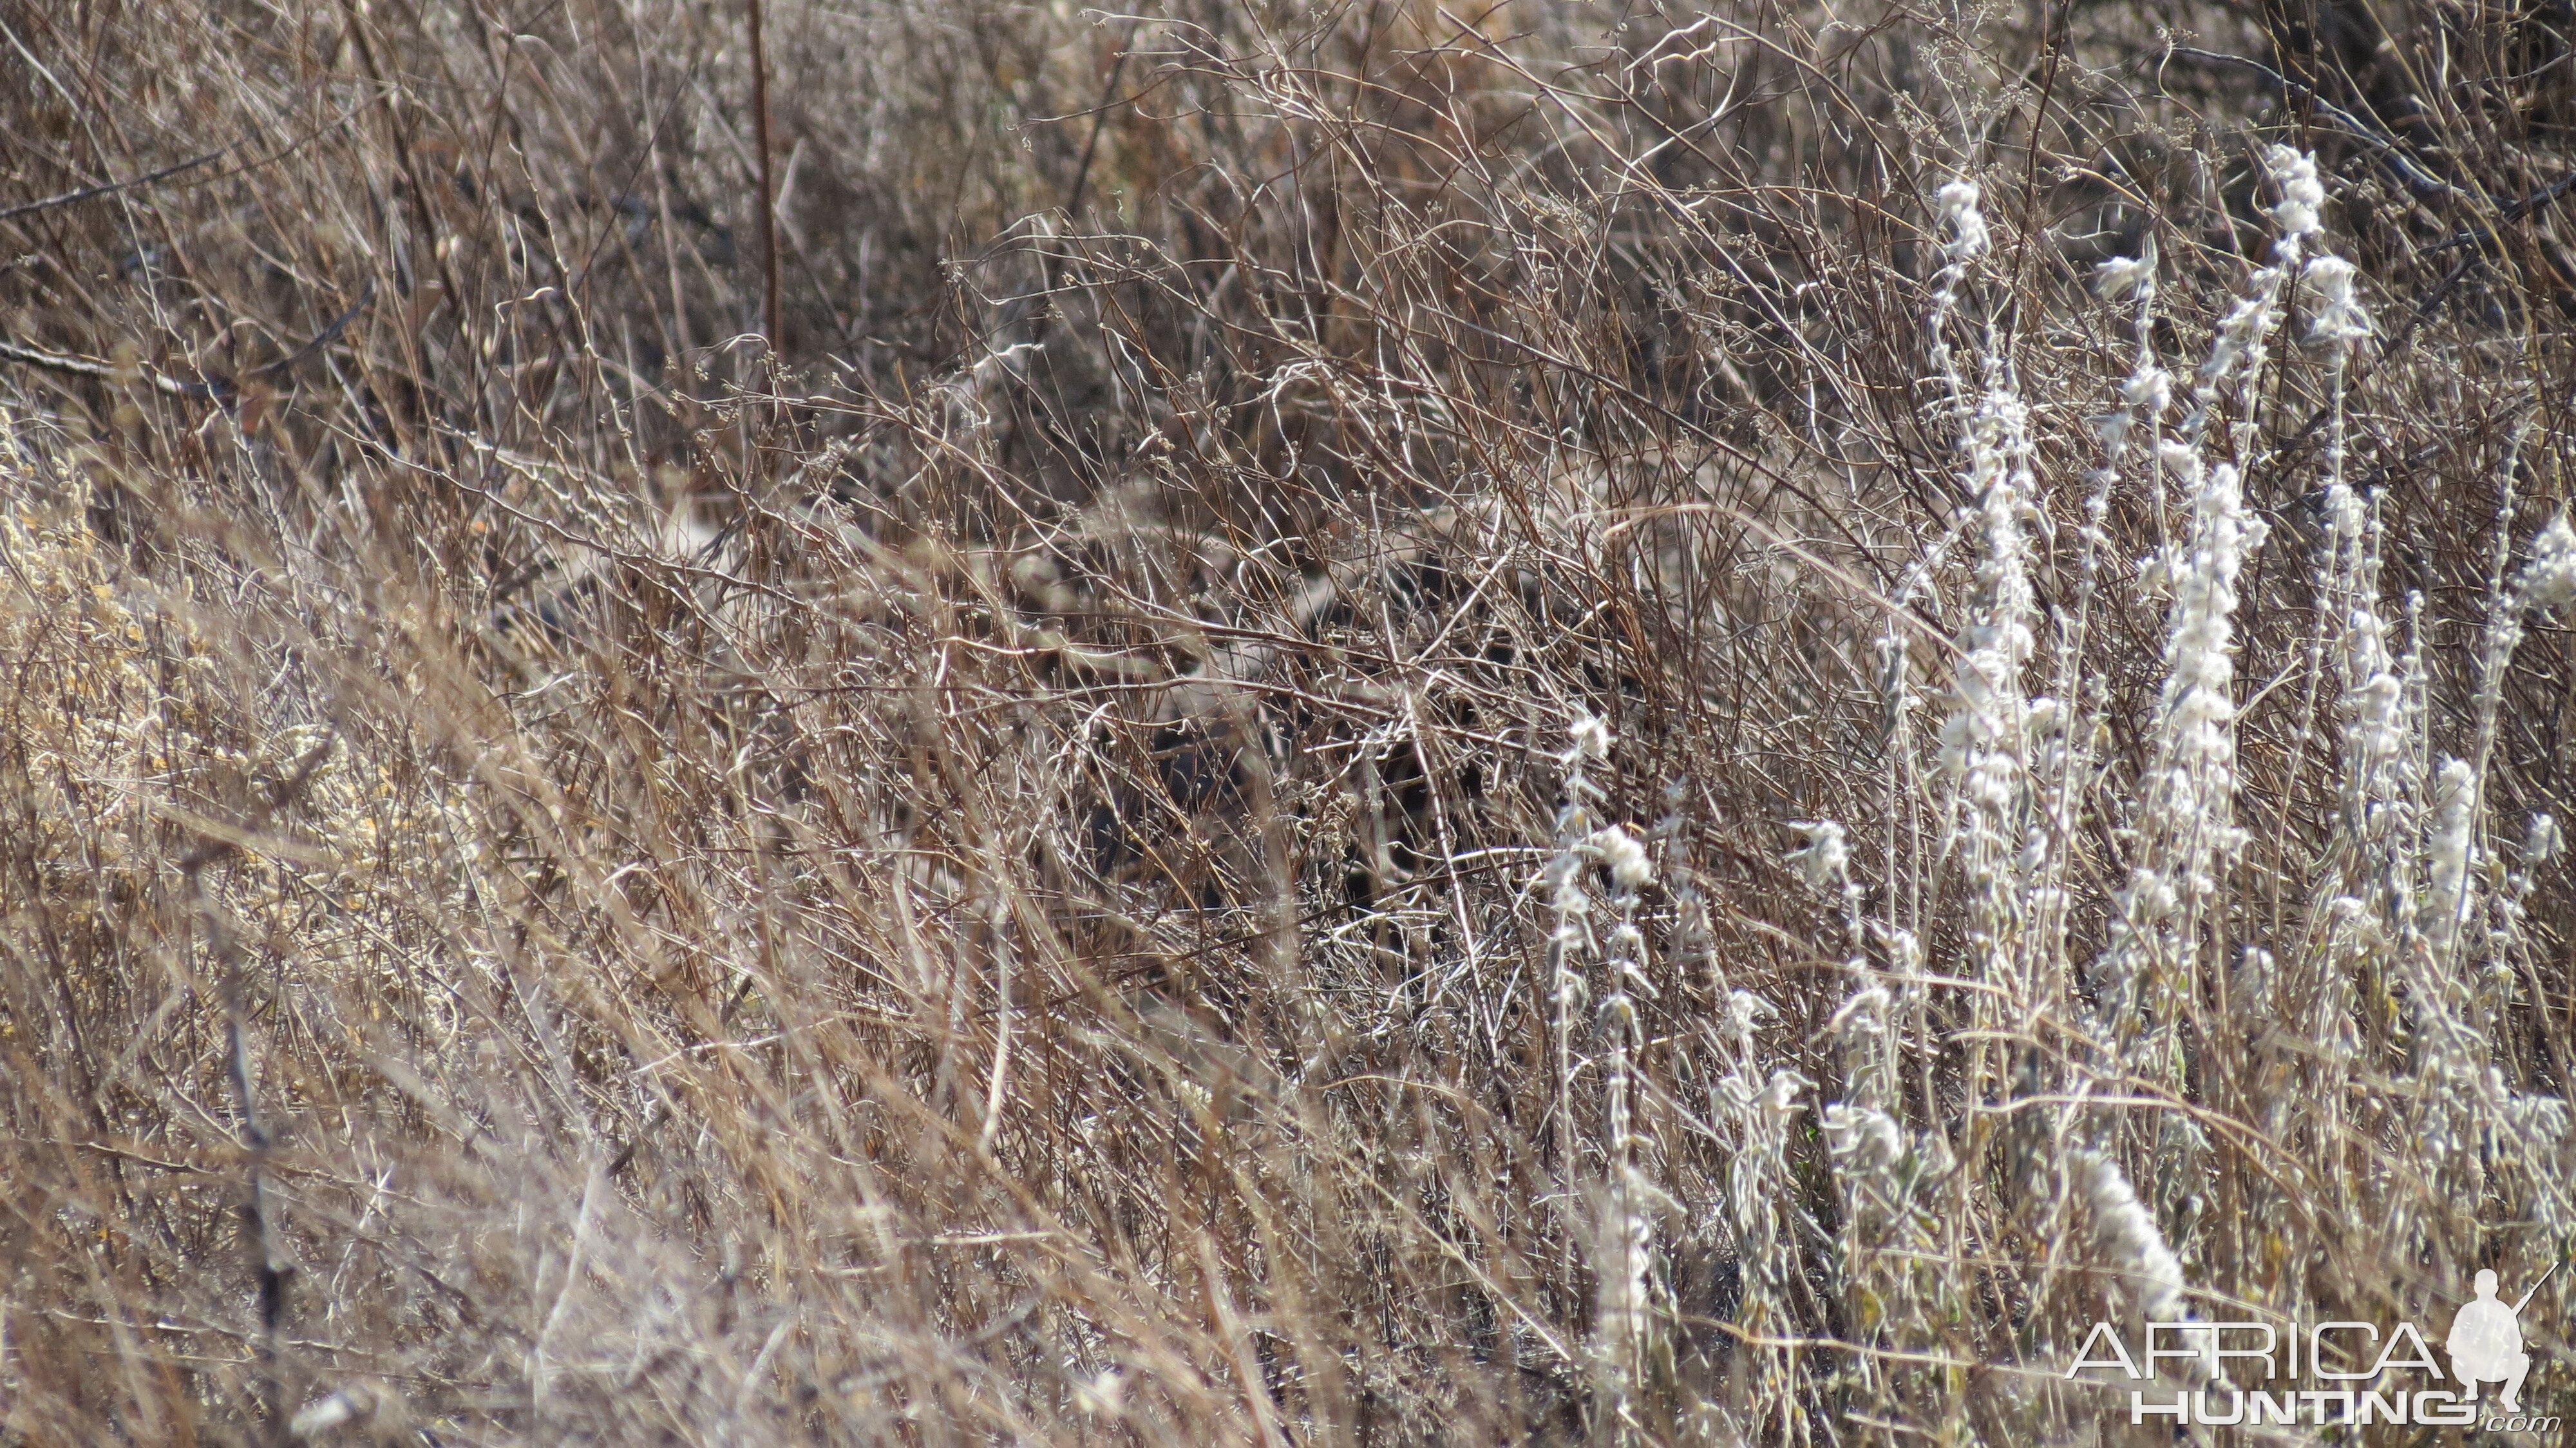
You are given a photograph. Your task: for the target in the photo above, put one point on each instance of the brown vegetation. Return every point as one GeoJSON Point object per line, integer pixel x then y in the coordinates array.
{"type": "Point", "coordinates": [1357, 738]}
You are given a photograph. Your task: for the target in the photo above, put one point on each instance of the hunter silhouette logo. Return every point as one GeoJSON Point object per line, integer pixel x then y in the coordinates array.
{"type": "Point", "coordinates": [2486, 1342]}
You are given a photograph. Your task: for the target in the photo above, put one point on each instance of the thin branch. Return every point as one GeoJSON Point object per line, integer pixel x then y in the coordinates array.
{"type": "Point", "coordinates": [217, 387]}
{"type": "Point", "coordinates": [769, 310]}
{"type": "Point", "coordinates": [92, 193]}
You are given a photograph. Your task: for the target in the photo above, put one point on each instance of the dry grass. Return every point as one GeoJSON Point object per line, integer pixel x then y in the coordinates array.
{"type": "Point", "coordinates": [1029, 864]}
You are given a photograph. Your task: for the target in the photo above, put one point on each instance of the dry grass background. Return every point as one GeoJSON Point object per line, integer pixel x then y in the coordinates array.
{"type": "Point", "coordinates": [1027, 866]}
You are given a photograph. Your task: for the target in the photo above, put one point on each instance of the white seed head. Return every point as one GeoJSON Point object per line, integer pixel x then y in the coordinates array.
{"type": "Point", "coordinates": [1958, 203]}
{"type": "Point", "coordinates": [2148, 390]}
{"type": "Point", "coordinates": [2339, 320]}
{"type": "Point", "coordinates": [2127, 1235]}
{"type": "Point", "coordinates": [1743, 1008]}
{"type": "Point", "coordinates": [1102, 1395]}
{"type": "Point", "coordinates": [2549, 579]}
{"type": "Point", "coordinates": [2448, 848]}
{"type": "Point", "coordinates": [2541, 842]}
{"type": "Point", "coordinates": [2303, 196]}
{"type": "Point", "coordinates": [1624, 856]}
{"type": "Point", "coordinates": [2121, 276]}
{"type": "Point", "coordinates": [1865, 1013]}
{"type": "Point", "coordinates": [351, 1403]}
{"type": "Point", "coordinates": [1825, 861]}
{"type": "Point", "coordinates": [1780, 1094]}
{"type": "Point", "coordinates": [1863, 1138]}
{"type": "Point", "coordinates": [1591, 738]}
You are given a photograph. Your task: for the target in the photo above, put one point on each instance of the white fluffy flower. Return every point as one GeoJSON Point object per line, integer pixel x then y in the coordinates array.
{"type": "Point", "coordinates": [1743, 1008]}
{"type": "Point", "coordinates": [2238, 332]}
{"type": "Point", "coordinates": [1779, 1095]}
{"type": "Point", "coordinates": [2125, 1232]}
{"type": "Point", "coordinates": [2549, 579]}
{"type": "Point", "coordinates": [1591, 738]}
{"type": "Point", "coordinates": [1825, 861]}
{"type": "Point", "coordinates": [2123, 275]}
{"type": "Point", "coordinates": [2378, 728]}
{"type": "Point", "coordinates": [2148, 390]}
{"type": "Point", "coordinates": [2454, 794]}
{"type": "Point", "coordinates": [1865, 1013]}
{"type": "Point", "coordinates": [2540, 843]}
{"type": "Point", "coordinates": [1863, 1137]}
{"type": "Point", "coordinates": [1624, 856]}
{"type": "Point", "coordinates": [2303, 196]}
{"type": "Point", "coordinates": [1958, 203]}
{"type": "Point", "coordinates": [2339, 320]}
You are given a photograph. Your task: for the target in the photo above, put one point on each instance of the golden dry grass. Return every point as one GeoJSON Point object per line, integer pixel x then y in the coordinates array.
{"type": "Point", "coordinates": [1018, 868]}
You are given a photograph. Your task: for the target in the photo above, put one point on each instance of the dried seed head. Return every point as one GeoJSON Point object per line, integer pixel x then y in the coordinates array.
{"type": "Point", "coordinates": [1958, 203]}
{"type": "Point", "coordinates": [2540, 844]}
{"type": "Point", "coordinates": [1591, 739]}
{"type": "Point", "coordinates": [2549, 579]}
{"type": "Point", "coordinates": [2339, 320]}
{"type": "Point", "coordinates": [2303, 196]}
{"type": "Point", "coordinates": [1625, 857]}
{"type": "Point", "coordinates": [1825, 860]}
{"type": "Point", "coordinates": [2121, 276]}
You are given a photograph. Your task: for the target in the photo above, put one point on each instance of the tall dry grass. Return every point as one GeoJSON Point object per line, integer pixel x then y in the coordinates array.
{"type": "Point", "coordinates": [1379, 724]}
